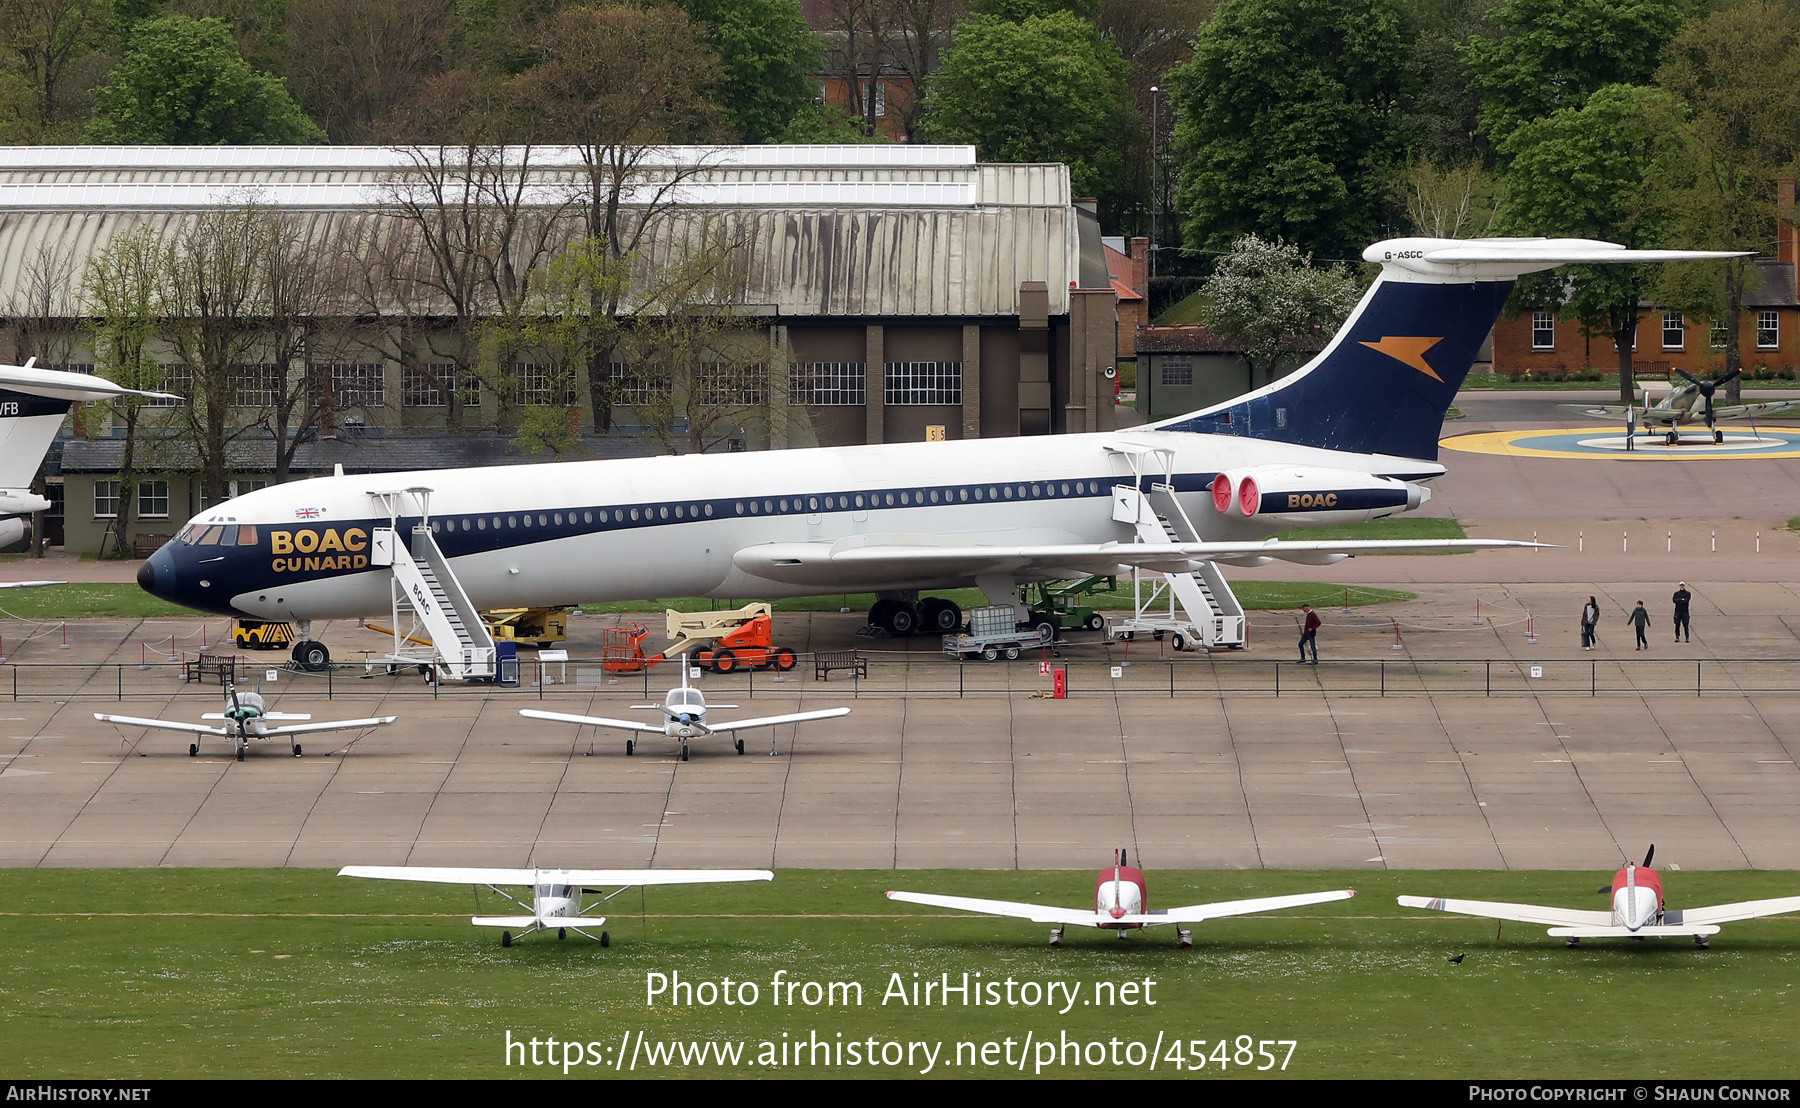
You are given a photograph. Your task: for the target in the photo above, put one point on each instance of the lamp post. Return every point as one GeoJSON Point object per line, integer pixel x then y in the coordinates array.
{"type": "Point", "coordinates": [1155, 199]}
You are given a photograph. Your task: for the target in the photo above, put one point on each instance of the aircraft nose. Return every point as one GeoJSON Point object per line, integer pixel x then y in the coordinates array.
{"type": "Point", "coordinates": [157, 575]}
{"type": "Point", "coordinates": [1118, 912]}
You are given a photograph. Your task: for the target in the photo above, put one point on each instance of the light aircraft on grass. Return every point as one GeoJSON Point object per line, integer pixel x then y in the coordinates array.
{"type": "Point", "coordinates": [556, 894]}
{"type": "Point", "coordinates": [1690, 403]}
{"type": "Point", "coordinates": [1350, 436]}
{"type": "Point", "coordinates": [1121, 903]}
{"type": "Point", "coordinates": [247, 717]}
{"type": "Point", "coordinates": [684, 718]}
{"type": "Point", "coordinates": [1637, 911]}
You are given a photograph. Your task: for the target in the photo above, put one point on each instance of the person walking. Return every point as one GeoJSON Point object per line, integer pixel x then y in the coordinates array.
{"type": "Point", "coordinates": [1640, 619]}
{"type": "Point", "coordinates": [1590, 619]}
{"type": "Point", "coordinates": [1309, 633]}
{"type": "Point", "coordinates": [1683, 632]}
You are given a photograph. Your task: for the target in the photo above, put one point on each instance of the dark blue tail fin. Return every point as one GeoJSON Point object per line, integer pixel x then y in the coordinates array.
{"type": "Point", "coordinates": [1384, 382]}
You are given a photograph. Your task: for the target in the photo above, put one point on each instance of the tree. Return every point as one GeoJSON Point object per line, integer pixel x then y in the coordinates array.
{"type": "Point", "coordinates": [1270, 302]}
{"type": "Point", "coordinates": [1045, 90]}
{"type": "Point", "coordinates": [1448, 203]}
{"type": "Point", "coordinates": [182, 82]}
{"type": "Point", "coordinates": [768, 57]}
{"type": "Point", "coordinates": [122, 296]}
{"type": "Point", "coordinates": [1736, 74]}
{"type": "Point", "coordinates": [364, 60]}
{"type": "Point", "coordinates": [1287, 123]}
{"type": "Point", "coordinates": [1593, 172]}
{"type": "Point", "coordinates": [616, 84]}
{"type": "Point", "coordinates": [47, 36]}
{"type": "Point", "coordinates": [1553, 54]}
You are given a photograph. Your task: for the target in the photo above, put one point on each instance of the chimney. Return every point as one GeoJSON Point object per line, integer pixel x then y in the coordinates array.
{"type": "Point", "coordinates": [1140, 265]}
{"type": "Point", "coordinates": [1787, 244]}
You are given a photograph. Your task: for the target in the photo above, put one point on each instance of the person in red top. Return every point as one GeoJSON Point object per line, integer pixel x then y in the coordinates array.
{"type": "Point", "coordinates": [1309, 634]}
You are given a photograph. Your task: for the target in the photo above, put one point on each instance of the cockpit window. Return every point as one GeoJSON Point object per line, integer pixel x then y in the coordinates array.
{"type": "Point", "coordinates": [211, 537]}
{"type": "Point", "coordinates": [247, 534]}
{"type": "Point", "coordinates": [686, 696]}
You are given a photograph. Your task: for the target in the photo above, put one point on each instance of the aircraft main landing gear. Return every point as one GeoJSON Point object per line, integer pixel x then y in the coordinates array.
{"type": "Point", "coordinates": [1186, 938]}
{"type": "Point", "coordinates": [193, 749]}
{"type": "Point", "coordinates": [1701, 941]}
{"type": "Point", "coordinates": [562, 932]}
{"type": "Point", "coordinates": [296, 750]}
{"type": "Point", "coordinates": [605, 938]}
{"type": "Point", "coordinates": [1573, 940]}
{"type": "Point", "coordinates": [1055, 937]}
{"type": "Point", "coordinates": [740, 746]}
{"type": "Point", "coordinates": [506, 938]}
{"type": "Point", "coordinates": [629, 747]}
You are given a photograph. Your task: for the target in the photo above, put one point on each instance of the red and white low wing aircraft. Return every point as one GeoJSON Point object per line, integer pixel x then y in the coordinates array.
{"type": "Point", "coordinates": [1121, 903]}
{"type": "Point", "coordinates": [556, 894]}
{"type": "Point", "coordinates": [1637, 911]}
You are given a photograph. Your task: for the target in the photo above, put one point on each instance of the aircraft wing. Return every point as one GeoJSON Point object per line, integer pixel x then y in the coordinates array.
{"type": "Point", "coordinates": [1764, 408]}
{"type": "Point", "coordinates": [1523, 913]}
{"type": "Point", "coordinates": [1196, 913]}
{"type": "Point", "coordinates": [592, 721]}
{"type": "Point", "coordinates": [28, 584]}
{"type": "Point", "coordinates": [1727, 913]}
{"type": "Point", "coordinates": [1648, 931]}
{"type": "Point", "coordinates": [844, 563]}
{"type": "Point", "coordinates": [67, 386]}
{"type": "Point", "coordinates": [328, 725]}
{"type": "Point", "coordinates": [769, 721]}
{"type": "Point", "coordinates": [1036, 913]}
{"type": "Point", "coordinates": [607, 877]}
{"type": "Point", "coordinates": [163, 724]}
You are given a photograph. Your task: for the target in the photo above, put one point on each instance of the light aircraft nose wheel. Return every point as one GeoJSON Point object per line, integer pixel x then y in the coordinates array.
{"type": "Point", "coordinates": [740, 746]}
{"type": "Point", "coordinates": [1187, 939]}
{"type": "Point", "coordinates": [605, 938]}
{"type": "Point", "coordinates": [1055, 937]}
{"type": "Point", "coordinates": [629, 747]}
{"type": "Point", "coordinates": [1121, 933]}
{"type": "Point", "coordinates": [506, 938]}
{"type": "Point", "coordinates": [1718, 437]}
{"type": "Point", "coordinates": [193, 749]}
{"type": "Point", "coordinates": [684, 752]}
{"type": "Point", "coordinates": [562, 932]}
{"type": "Point", "coordinates": [240, 754]}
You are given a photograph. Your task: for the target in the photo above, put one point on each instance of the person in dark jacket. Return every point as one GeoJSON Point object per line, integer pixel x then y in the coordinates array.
{"type": "Point", "coordinates": [1682, 598]}
{"type": "Point", "coordinates": [1590, 621]}
{"type": "Point", "coordinates": [1640, 619]}
{"type": "Point", "coordinates": [1309, 633]}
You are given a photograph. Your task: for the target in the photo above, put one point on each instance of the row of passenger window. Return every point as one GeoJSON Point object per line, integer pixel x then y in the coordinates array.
{"type": "Point", "coordinates": [778, 505]}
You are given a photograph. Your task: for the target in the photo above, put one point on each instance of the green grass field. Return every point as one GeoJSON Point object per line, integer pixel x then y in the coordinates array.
{"type": "Point", "coordinates": [78, 600]}
{"type": "Point", "coordinates": [298, 973]}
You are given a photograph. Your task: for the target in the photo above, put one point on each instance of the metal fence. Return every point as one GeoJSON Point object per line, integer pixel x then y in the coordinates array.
{"type": "Point", "coordinates": [923, 674]}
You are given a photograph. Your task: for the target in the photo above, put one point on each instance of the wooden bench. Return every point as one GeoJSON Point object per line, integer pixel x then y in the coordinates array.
{"type": "Point", "coordinates": [827, 660]}
{"type": "Point", "coordinates": [142, 546]}
{"type": "Point", "coordinates": [213, 669]}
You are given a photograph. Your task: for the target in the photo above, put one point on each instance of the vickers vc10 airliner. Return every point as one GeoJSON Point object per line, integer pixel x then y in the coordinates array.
{"type": "Point", "coordinates": [1350, 436]}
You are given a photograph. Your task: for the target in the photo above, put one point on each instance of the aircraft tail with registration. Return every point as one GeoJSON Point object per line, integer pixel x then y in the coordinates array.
{"type": "Point", "coordinates": [1384, 381]}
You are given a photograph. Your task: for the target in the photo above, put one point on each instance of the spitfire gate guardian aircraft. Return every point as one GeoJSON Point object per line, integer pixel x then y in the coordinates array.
{"type": "Point", "coordinates": [1690, 403]}
{"type": "Point", "coordinates": [1350, 436]}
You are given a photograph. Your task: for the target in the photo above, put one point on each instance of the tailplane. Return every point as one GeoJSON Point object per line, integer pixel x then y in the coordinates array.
{"type": "Point", "coordinates": [1384, 381]}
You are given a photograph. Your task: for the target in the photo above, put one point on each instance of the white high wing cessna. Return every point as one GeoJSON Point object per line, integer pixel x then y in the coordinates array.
{"type": "Point", "coordinates": [555, 893]}
{"type": "Point", "coordinates": [1121, 900]}
{"type": "Point", "coordinates": [246, 717]}
{"type": "Point", "coordinates": [1637, 911]}
{"type": "Point", "coordinates": [684, 717]}
{"type": "Point", "coordinates": [1349, 436]}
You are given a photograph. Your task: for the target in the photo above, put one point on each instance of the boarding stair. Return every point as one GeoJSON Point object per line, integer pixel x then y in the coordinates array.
{"type": "Point", "coordinates": [1209, 615]}
{"type": "Point", "coordinates": [426, 596]}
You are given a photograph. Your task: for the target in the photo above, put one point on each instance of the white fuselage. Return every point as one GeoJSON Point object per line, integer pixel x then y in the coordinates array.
{"type": "Point", "coordinates": [574, 532]}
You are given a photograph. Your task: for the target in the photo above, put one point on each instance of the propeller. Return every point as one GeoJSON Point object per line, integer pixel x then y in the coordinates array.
{"type": "Point", "coordinates": [1648, 854]}
{"type": "Point", "coordinates": [1707, 388]}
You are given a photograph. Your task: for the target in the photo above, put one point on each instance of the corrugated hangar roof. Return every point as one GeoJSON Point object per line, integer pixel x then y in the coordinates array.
{"type": "Point", "coordinates": [872, 230]}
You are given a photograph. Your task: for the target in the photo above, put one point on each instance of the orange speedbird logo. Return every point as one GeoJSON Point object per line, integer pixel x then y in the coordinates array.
{"type": "Point", "coordinates": [1408, 349]}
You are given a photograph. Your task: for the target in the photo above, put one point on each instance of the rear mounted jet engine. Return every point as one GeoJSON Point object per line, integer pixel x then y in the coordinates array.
{"type": "Point", "coordinates": [1313, 494]}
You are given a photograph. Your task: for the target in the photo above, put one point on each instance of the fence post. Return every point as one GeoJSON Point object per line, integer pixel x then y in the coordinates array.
{"type": "Point", "coordinates": [1171, 679]}
{"type": "Point", "coordinates": [1696, 677]}
{"type": "Point", "coordinates": [1593, 678]}
{"type": "Point", "coordinates": [751, 695]}
{"type": "Point", "coordinates": [960, 667]}
{"type": "Point", "coordinates": [1384, 675]}
{"type": "Point", "coordinates": [540, 680]}
{"type": "Point", "coordinates": [1490, 677]}
{"type": "Point", "coordinates": [327, 682]}
{"type": "Point", "coordinates": [1278, 680]}
{"type": "Point", "coordinates": [120, 670]}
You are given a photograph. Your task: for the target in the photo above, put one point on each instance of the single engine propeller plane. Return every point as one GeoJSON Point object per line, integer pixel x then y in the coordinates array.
{"type": "Point", "coordinates": [1637, 911]}
{"type": "Point", "coordinates": [1690, 403]}
{"type": "Point", "coordinates": [556, 894]}
{"type": "Point", "coordinates": [1121, 903]}
{"type": "Point", "coordinates": [247, 717]}
{"type": "Point", "coordinates": [684, 718]}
